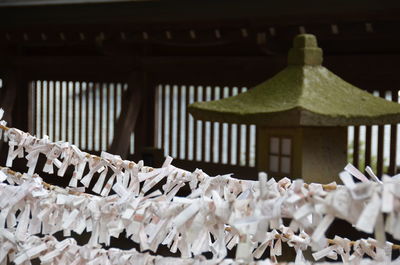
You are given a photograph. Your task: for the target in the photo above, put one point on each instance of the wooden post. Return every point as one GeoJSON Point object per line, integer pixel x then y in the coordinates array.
{"type": "Point", "coordinates": [393, 141]}
{"type": "Point", "coordinates": [131, 104]}
{"type": "Point", "coordinates": [8, 102]}
{"type": "Point", "coordinates": [16, 111]}
{"type": "Point", "coordinates": [356, 147]}
{"type": "Point", "coordinates": [145, 131]}
{"type": "Point", "coordinates": [380, 156]}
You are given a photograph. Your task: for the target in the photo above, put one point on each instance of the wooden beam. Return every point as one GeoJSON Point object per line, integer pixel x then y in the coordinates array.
{"type": "Point", "coordinates": [127, 120]}
{"type": "Point", "coordinates": [368, 71]}
{"type": "Point", "coordinates": [261, 38]}
{"type": "Point", "coordinates": [53, 2]}
{"type": "Point", "coordinates": [140, 13]}
{"type": "Point", "coordinates": [75, 64]}
{"type": "Point", "coordinates": [74, 68]}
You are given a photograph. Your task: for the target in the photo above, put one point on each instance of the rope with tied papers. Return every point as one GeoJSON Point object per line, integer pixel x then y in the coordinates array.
{"type": "Point", "coordinates": [229, 209]}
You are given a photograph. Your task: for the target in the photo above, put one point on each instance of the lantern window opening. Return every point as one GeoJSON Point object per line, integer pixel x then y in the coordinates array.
{"type": "Point", "coordinates": [280, 152]}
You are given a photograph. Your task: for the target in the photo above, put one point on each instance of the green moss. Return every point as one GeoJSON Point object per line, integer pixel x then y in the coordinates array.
{"type": "Point", "coordinates": [301, 95]}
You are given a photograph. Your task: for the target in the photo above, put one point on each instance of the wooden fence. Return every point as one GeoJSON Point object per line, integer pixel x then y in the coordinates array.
{"type": "Point", "coordinates": [85, 113]}
{"type": "Point", "coordinates": [184, 138]}
{"type": "Point", "coordinates": [376, 145]}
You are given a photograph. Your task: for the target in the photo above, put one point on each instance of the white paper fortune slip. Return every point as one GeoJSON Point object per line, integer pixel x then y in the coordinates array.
{"type": "Point", "coordinates": [242, 213]}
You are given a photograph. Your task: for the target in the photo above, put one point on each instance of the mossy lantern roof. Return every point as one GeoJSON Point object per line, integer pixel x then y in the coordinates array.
{"type": "Point", "coordinates": [303, 94]}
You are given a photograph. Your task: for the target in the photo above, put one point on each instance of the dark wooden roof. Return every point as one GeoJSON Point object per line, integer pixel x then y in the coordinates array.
{"type": "Point", "coordinates": [8, 3]}
{"type": "Point", "coordinates": [244, 41]}
{"type": "Point", "coordinates": [204, 28]}
{"type": "Point", "coordinates": [284, 12]}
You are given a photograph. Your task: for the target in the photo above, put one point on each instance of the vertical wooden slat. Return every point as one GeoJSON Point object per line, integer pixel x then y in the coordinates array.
{"type": "Point", "coordinates": [212, 138]}
{"type": "Point", "coordinates": [34, 106]}
{"type": "Point", "coordinates": [179, 123]}
{"type": "Point", "coordinates": [44, 91]}
{"type": "Point", "coordinates": [220, 131]}
{"type": "Point", "coordinates": [368, 143]}
{"type": "Point", "coordinates": [229, 141]}
{"type": "Point", "coordinates": [87, 116]}
{"type": "Point", "coordinates": [356, 146]}
{"type": "Point", "coordinates": [162, 107]}
{"type": "Point", "coordinates": [187, 97]}
{"type": "Point", "coordinates": [50, 91]}
{"type": "Point", "coordinates": [238, 147]}
{"type": "Point", "coordinates": [393, 141]}
{"type": "Point", "coordinates": [73, 98]}
{"type": "Point", "coordinates": [68, 110]}
{"type": "Point", "coordinates": [113, 103]}
{"type": "Point", "coordinates": [248, 145]}
{"type": "Point", "coordinates": [48, 108]}
{"type": "Point", "coordinates": [255, 138]}
{"type": "Point", "coordinates": [41, 108]}
{"type": "Point", "coordinates": [115, 106]}
{"type": "Point", "coordinates": [203, 129]}
{"type": "Point", "coordinates": [239, 137]}
{"type": "Point", "coordinates": [108, 105]}
{"type": "Point", "coordinates": [31, 108]}
{"type": "Point", "coordinates": [195, 136]}
{"type": "Point", "coordinates": [80, 114]}
{"type": "Point", "coordinates": [55, 106]}
{"type": "Point", "coordinates": [379, 166]}
{"type": "Point", "coordinates": [171, 120]}
{"type": "Point", "coordinates": [38, 109]}
{"type": "Point", "coordinates": [61, 98]}
{"type": "Point", "coordinates": [132, 144]}
{"type": "Point", "coordinates": [157, 119]}
{"type": "Point", "coordinates": [101, 88]}
{"type": "Point", "coordinates": [65, 99]}
{"type": "Point", "coordinates": [40, 87]}
{"type": "Point", "coordinates": [94, 92]}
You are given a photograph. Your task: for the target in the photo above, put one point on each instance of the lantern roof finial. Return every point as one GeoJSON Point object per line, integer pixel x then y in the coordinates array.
{"type": "Point", "coordinates": [305, 51]}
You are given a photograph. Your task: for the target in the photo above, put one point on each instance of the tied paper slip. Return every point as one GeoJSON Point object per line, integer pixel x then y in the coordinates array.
{"type": "Point", "coordinates": [53, 152]}
{"type": "Point", "coordinates": [290, 201]}
{"type": "Point", "coordinates": [50, 250]}
{"type": "Point", "coordinates": [367, 219]}
{"type": "Point", "coordinates": [65, 200]}
{"type": "Point", "coordinates": [204, 187]}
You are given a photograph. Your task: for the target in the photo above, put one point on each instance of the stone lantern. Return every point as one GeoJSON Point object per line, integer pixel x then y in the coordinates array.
{"type": "Point", "coordinates": [302, 114]}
